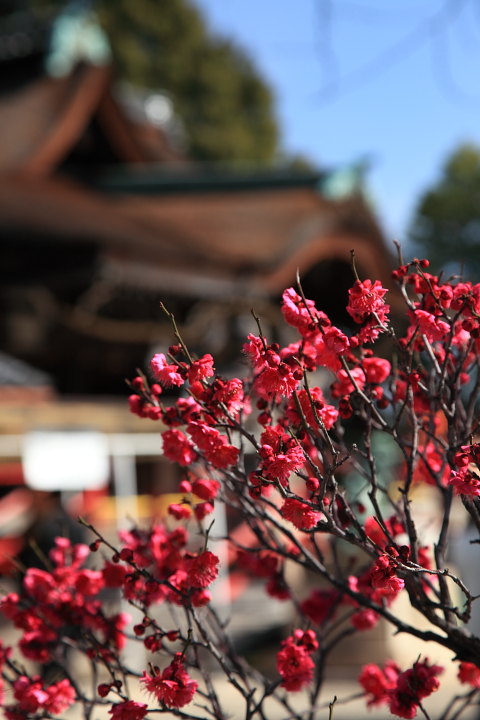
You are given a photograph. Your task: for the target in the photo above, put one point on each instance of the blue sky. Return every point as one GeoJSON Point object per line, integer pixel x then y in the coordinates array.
{"type": "Point", "coordinates": [396, 81]}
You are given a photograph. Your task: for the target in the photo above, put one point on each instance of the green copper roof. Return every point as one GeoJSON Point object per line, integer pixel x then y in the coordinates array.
{"type": "Point", "coordinates": [161, 180]}
{"type": "Point", "coordinates": [76, 35]}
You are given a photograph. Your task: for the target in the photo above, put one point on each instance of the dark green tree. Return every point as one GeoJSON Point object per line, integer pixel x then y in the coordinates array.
{"type": "Point", "coordinates": [224, 104]}
{"type": "Point", "coordinates": [226, 107]}
{"type": "Point", "coordinates": [446, 224]}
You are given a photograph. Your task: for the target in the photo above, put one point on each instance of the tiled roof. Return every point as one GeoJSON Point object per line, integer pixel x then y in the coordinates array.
{"type": "Point", "coordinates": [254, 237]}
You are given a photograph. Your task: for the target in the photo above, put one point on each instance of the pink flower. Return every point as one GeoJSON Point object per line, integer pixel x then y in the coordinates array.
{"type": "Point", "coordinates": [89, 582]}
{"type": "Point", "coordinates": [204, 436]}
{"type": "Point", "coordinates": [201, 369]}
{"type": "Point", "coordinates": [319, 605]}
{"type": "Point", "coordinates": [365, 619]}
{"type": "Point", "coordinates": [32, 697]}
{"type": "Point", "coordinates": [10, 606]}
{"type": "Point", "coordinates": [255, 349]}
{"type": "Point", "coordinates": [65, 554]}
{"type": "Point", "coordinates": [214, 446]}
{"type": "Point", "coordinates": [230, 394]}
{"type": "Point", "coordinates": [114, 574]}
{"type": "Point", "coordinates": [128, 710]}
{"type": "Point", "coordinates": [366, 298]}
{"type": "Point", "coordinates": [420, 680]}
{"type": "Point", "coordinates": [293, 659]}
{"type": "Point", "coordinates": [60, 696]}
{"type": "Point", "coordinates": [176, 447]}
{"type": "Point", "coordinates": [202, 569]}
{"type": "Point", "coordinates": [383, 578]}
{"type": "Point", "coordinates": [164, 372]}
{"type": "Point", "coordinates": [377, 683]}
{"type": "Point", "coordinates": [295, 666]}
{"type": "Point", "coordinates": [348, 382]}
{"type": "Point", "coordinates": [468, 454]}
{"type": "Point", "coordinates": [205, 488]}
{"type": "Point", "coordinates": [38, 644]}
{"type": "Point", "coordinates": [465, 482]}
{"type": "Point", "coordinates": [275, 377]}
{"type": "Point", "coordinates": [222, 455]}
{"type": "Point", "coordinates": [374, 530]}
{"type": "Point", "coordinates": [412, 687]}
{"type": "Point", "coordinates": [432, 465]}
{"type": "Point", "coordinates": [403, 705]}
{"type": "Point", "coordinates": [186, 408]}
{"type": "Point", "coordinates": [402, 691]}
{"type": "Point", "coordinates": [330, 345]}
{"type": "Point", "coordinates": [261, 563]}
{"type": "Point", "coordinates": [179, 511]}
{"type": "Point", "coordinates": [39, 583]}
{"type": "Point", "coordinates": [173, 687]}
{"type": "Point", "coordinates": [29, 694]}
{"type": "Point", "coordinates": [203, 509]}
{"type": "Point", "coordinates": [300, 514]}
{"type": "Point", "coordinates": [376, 369]}
{"type": "Point", "coordinates": [469, 674]}
{"type": "Point", "coordinates": [305, 638]}
{"type": "Point", "coordinates": [276, 587]}
{"type": "Point", "coordinates": [303, 315]}
{"type": "Point", "coordinates": [429, 325]}
{"type": "Point", "coordinates": [279, 466]}
{"type": "Point", "coordinates": [277, 382]}
{"type": "Point", "coordinates": [313, 406]}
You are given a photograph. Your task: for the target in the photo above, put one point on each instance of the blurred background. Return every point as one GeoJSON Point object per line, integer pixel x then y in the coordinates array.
{"type": "Point", "coordinates": [199, 153]}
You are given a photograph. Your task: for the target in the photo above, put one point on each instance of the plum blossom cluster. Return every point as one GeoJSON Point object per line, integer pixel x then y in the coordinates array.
{"type": "Point", "coordinates": [155, 566]}
{"type": "Point", "coordinates": [63, 603]}
{"type": "Point", "coordinates": [294, 659]}
{"type": "Point", "coordinates": [465, 475]}
{"type": "Point", "coordinates": [301, 457]}
{"type": "Point", "coordinates": [378, 583]}
{"type": "Point", "coordinates": [173, 687]}
{"type": "Point", "coordinates": [317, 454]}
{"type": "Point", "coordinates": [33, 698]}
{"type": "Point", "coordinates": [469, 674]}
{"type": "Point", "coordinates": [402, 692]}
{"type": "Point", "coordinates": [62, 607]}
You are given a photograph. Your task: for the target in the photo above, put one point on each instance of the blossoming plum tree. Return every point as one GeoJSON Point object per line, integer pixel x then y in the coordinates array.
{"type": "Point", "coordinates": [277, 448]}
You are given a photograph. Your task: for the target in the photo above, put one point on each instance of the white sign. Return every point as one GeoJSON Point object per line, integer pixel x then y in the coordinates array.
{"type": "Point", "coordinates": [65, 460]}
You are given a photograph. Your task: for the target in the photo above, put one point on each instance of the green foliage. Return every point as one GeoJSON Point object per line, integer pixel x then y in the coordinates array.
{"type": "Point", "coordinates": [447, 221]}
{"type": "Point", "coordinates": [226, 108]}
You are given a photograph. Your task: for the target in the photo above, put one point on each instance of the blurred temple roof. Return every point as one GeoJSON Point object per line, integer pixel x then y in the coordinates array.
{"type": "Point", "coordinates": [102, 215]}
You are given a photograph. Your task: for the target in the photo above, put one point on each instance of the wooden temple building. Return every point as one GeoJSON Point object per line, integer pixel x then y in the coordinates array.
{"type": "Point", "coordinates": [102, 217]}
